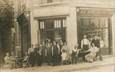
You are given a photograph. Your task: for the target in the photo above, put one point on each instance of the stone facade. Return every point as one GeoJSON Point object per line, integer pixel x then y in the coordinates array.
{"type": "Point", "coordinates": [70, 11]}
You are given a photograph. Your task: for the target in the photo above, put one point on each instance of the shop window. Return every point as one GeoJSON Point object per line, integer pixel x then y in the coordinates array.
{"type": "Point", "coordinates": [57, 23]}
{"type": "Point", "coordinates": [41, 24]}
{"type": "Point", "coordinates": [53, 29]}
{"type": "Point", "coordinates": [92, 26]}
{"type": "Point", "coordinates": [49, 24]}
{"type": "Point", "coordinates": [64, 22]}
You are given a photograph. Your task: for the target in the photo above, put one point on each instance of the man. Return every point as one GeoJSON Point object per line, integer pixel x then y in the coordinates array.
{"type": "Point", "coordinates": [37, 53]}
{"type": "Point", "coordinates": [85, 45]}
{"type": "Point", "coordinates": [96, 42]}
{"type": "Point", "coordinates": [60, 45]}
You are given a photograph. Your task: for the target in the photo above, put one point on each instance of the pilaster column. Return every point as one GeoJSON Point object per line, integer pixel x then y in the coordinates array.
{"type": "Point", "coordinates": [18, 49]}
{"type": "Point", "coordinates": [72, 28]}
{"type": "Point", "coordinates": [34, 29]}
{"type": "Point", "coordinates": [113, 34]}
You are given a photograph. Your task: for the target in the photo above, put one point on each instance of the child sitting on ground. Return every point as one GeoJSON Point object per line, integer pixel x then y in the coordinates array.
{"type": "Point", "coordinates": [7, 60]}
{"type": "Point", "coordinates": [92, 55]}
{"type": "Point", "coordinates": [25, 60]}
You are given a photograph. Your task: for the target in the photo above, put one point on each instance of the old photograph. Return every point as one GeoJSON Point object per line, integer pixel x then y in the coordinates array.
{"type": "Point", "coordinates": [57, 35]}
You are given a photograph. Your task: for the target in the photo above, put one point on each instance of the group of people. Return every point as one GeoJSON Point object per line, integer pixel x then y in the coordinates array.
{"type": "Point", "coordinates": [56, 53]}
{"type": "Point", "coordinates": [47, 52]}
{"type": "Point", "coordinates": [91, 48]}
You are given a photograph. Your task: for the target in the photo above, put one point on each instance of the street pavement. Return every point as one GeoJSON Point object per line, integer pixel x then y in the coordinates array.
{"type": "Point", "coordinates": [107, 65]}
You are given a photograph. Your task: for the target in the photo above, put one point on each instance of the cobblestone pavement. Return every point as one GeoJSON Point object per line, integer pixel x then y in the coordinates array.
{"type": "Point", "coordinates": [107, 65]}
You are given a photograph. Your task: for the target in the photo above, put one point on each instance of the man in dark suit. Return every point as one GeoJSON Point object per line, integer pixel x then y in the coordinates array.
{"type": "Point", "coordinates": [96, 42]}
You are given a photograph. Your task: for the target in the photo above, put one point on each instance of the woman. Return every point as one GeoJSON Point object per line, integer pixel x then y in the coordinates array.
{"type": "Point", "coordinates": [55, 53]}
{"type": "Point", "coordinates": [49, 51]}
{"type": "Point", "coordinates": [44, 52]}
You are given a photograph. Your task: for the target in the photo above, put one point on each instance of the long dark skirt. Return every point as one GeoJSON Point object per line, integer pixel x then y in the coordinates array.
{"type": "Point", "coordinates": [55, 59]}
{"type": "Point", "coordinates": [82, 54]}
{"type": "Point", "coordinates": [39, 60]}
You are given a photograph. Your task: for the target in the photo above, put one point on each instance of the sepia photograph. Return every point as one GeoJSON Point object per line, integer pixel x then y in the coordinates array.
{"type": "Point", "coordinates": [57, 35]}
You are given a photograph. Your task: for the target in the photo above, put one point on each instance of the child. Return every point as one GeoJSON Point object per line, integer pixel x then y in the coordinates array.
{"type": "Point", "coordinates": [74, 54]}
{"type": "Point", "coordinates": [64, 56]}
{"type": "Point", "coordinates": [7, 60]}
{"type": "Point", "coordinates": [26, 60]}
{"type": "Point", "coordinates": [92, 55]}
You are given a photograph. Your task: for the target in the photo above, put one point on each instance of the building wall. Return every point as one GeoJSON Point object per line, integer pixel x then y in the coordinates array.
{"type": "Point", "coordinates": [51, 11]}
{"type": "Point", "coordinates": [113, 33]}
{"type": "Point", "coordinates": [72, 28]}
{"type": "Point", "coordinates": [67, 9]}
{"type": "Point", "coordinates": [34, 29]}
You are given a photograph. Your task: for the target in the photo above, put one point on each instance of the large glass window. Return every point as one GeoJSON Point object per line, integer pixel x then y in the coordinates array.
{"type": "Point", "coordinates": [92, 26]}
{"type": "Point", "coordinates": [53, 29]}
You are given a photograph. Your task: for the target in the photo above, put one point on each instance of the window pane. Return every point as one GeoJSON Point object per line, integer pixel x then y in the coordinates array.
{"type": "Point", "coordinates": [55, 23]}
{"type": "Point", "coordinates": [59, 23]}
{"type": "Point", "coordinates": [49, 24]}
{"type": "Point", "coordinates": [105, 38]}
{"type": "Point", "coordinates": [41, 24]}
{"type": "Point", "coordinates": [64, 22]}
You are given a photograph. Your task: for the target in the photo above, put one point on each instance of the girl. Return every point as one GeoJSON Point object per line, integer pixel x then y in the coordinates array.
{"type": "Point", "coordinates": [92, 55]}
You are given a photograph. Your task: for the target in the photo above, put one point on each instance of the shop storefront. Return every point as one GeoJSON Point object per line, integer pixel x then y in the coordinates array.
{"type": "Point", "coordinates": [96, 26]}
{"type": "Point", "coordinates": [96, 22]}
{"type": "Point", "coordinates": [78, 20]}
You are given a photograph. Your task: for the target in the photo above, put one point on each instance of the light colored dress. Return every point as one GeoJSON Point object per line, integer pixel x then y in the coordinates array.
{"type": "Point", "coordinates": [7, 59]}
{"type": "Point", "coordinates": [64, 56]}
{"type": "Point", "coordinates": [91, 56]}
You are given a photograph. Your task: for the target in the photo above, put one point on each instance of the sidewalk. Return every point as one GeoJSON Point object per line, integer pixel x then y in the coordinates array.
{"type": "Point", "coordinates": [107, 65]}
